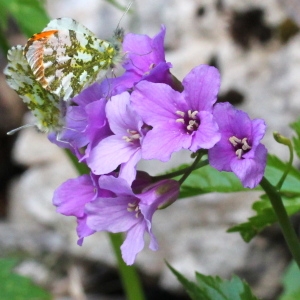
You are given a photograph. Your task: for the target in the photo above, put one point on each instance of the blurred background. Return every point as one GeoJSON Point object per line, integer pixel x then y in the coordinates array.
{"type": "Point", "coordinates": [255, 45]}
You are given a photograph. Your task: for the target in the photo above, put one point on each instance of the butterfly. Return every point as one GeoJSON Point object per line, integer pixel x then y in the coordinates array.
{"type": "Point", "coordinates": [57, 64]}
{"type": "Point", "coordinates": [66, 57]}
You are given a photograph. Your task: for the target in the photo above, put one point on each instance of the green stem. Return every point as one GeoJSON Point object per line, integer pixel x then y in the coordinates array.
{"type": "Point", "coordinates": [129, 277]}
{"type": "Point", "coordinates": [191, 168]}
{"type": "Point", "coordinates": [182, 171]}
{"type": "Point", "coordinates": [287, 229]}
{"type": "Point", "coordinates": [288, 167]}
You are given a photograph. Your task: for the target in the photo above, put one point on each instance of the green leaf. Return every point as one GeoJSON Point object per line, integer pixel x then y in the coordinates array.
{"type": "Point", "coordinates": [208, 179]}
{"type": "Point", "coordinates": [191, 288]}
{"type": "Point", "coordinates": [291, 283]}
{"type": "Point", "coordinates": [30, 15]}
{"type": "Point", "coordinates": [16, 287]}
{"type": "Point", "coordinates": [215, 288]}
{"type": "Point", "coordinates": [296, 140]}
{"type": "Point", "coordinates": [265, 216]}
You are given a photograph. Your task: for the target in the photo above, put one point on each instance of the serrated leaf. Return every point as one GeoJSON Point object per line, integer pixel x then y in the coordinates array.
{"type": "Point", "coordinates": [30, 15]}
{"type": "Point", "coordinates": [234, 289]}
{"type": "Point", "coordinates": [215, 288]}
{"type": "Point", "coordinates": [291, 283]}
{"type": "Point", "coordinates": [16, 287]}
{"type": "Point", "coordinates": [191, 288]}
{"type": "Point", "coordinates": [265, 216]}
{"type": "Point", "coordinates": [207, 180]}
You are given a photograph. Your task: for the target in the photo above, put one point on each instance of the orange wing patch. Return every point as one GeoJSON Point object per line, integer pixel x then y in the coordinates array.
{"type": "Point", "coordinates": [35, 55]}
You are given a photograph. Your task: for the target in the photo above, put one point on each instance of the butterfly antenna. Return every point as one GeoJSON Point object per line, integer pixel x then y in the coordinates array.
{"type": "Point", "coordinates": [124, 13]}
{"type": "Point", "coordinates": [119, 32]}
{"type": "Point", "coordinates": [19, 128]}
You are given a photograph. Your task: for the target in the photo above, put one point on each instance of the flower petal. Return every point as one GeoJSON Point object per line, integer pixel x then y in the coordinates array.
{"type": "Point", "coordinates": [207, 134]}
{"type": "Point", "coordinates": [133, 243]}
{"type": "Point", "coordinates": [128, 170]}
{"type": "Point", "coordinates": [201, 87]}
{"type": "Point", "coordinates": [110, 214]}
{"type": "Point", "coordinates": [251, 171]}
{"type": "Point", "coordinates": [83, 230]}
{"type": "Point", "coordinates": [157, 103]}
{"type": "Point", "coordinates": [110, 153]}
{"type": "Point", "coordinates": [72, 196]}
{"type": "Point", "coordinates": [121, 116]}
{"type": "Point", "coordinates": [160, 144]}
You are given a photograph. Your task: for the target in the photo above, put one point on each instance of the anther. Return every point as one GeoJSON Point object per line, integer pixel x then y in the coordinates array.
{"type": "Point", "coordinates": [180, 113]}
{"type": "Point", "coordinates": [193, 114]}
{"type": "Point", "coordinates": [234, 140]}
{"type": "Point", "coordinates": [180, 121]}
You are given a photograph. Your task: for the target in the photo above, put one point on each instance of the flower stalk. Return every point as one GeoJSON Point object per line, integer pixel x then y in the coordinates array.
{"type": "Point", "coordinates": [287, 229]}
{"type": "Point", "coordinates": [285, 141]}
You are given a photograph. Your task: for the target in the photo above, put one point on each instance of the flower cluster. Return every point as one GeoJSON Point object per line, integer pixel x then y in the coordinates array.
{"type": "Point", "coordinates": [146, 113]}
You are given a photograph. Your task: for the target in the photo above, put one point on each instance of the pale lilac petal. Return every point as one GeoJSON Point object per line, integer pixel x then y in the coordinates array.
{"type": "Point", "coordinates": [258, 131]}
{"type": "Point", "coordinates": [128, 170]}
{"type": "Point", "coordinates": [110, 214]}
{"type": "Point", "coordinates": [201, 87]}
{"type": "Point", "coordinates": [251, 171]}
{"type": "Point", "coordinates": [231, 121]}
{"type": "Point", "coordinates": [157, 103]}
{"type": "Point", "coordinates": [207, 134]}
{"type": "Point", "coordinates": [160, 144]}
{"type": "Point", "coordinates": [96, 128]}
{"type": "Point", "coordinates": [83, 230]}
{"type": "Point", "coordinates": [220, 155]}
{"type": "Point", "coordinates": [119, 186]}
{"type": "Point", "coordinates": [134, 243]}
{"type": "Point", "coordinates": [110, 153]}
{"type": "Point", "coordinates": [143, 52]}
{"type": "Point", "coordinates": [153, 245]}
{"type": "Point", "coordinates": [72, 196]}
{"type": "Point", "coordinates": [120, 116]}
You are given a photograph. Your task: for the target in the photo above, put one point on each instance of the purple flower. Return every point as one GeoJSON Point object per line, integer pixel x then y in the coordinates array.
{"type": "Point", "coordinates": [71, 197]}
{"type": "Point", "coordinates": [145, 60]}
{"type": "Point", "coordinates": [85, 122]}
{"type": "Point", "coordinates": [239, 150]}
{"type": "Point", "coordinates": [179, 120]}
{"type": "Point", "coordinates": [129, 212]}
{"type": "Point", "coordinates": [123, 147]}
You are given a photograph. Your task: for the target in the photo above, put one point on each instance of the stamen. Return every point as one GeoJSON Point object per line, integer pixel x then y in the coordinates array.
{"type": "Point", "coordinates": [241, 146]}
{"type": "Point", "coordinates": [192, 124]}
{"type": "Point", "coordinates": [234, 140]}
{"type": "Point", "coordinates": [193, 114]}
{"type": "Point", "coordinates": [180, 113]}
{"type": "Point", "coordinates": [189, 119]}
{"type": "Point", "coordinates": [239, 153]}
{"type": "Point", "coordinates": [245, 144]}
{"type": "Point", "coordinates": [134, 207]}
{"type": "Point", "coordinates": [180, 121]}
{"type": "Point", "coordinates": [133, 135]}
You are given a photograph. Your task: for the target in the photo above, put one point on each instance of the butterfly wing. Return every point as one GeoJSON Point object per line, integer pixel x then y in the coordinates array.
{"type": "Point", "coordinates": [46, 107]}
{"type": "Point", "coordinates": [65, 61]}
{"type": "Point", "coordinates": [69, 24]}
